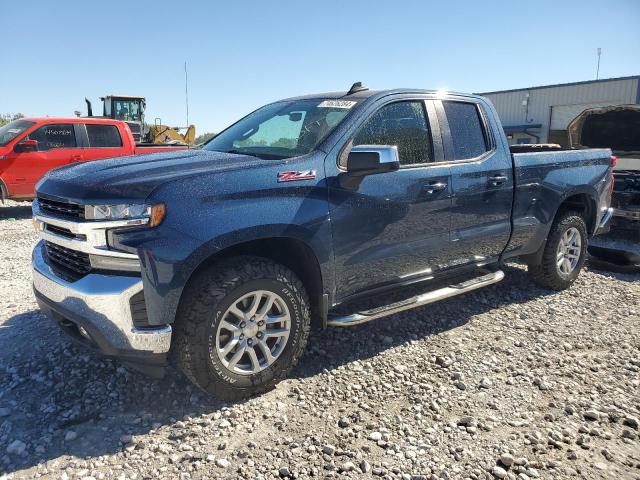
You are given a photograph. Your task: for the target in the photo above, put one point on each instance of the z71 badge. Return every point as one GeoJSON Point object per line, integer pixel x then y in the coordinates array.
{"type": "Point", "coordinates": [295, 176]}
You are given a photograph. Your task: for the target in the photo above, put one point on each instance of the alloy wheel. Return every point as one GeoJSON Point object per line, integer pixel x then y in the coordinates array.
{"type": "Point", "coordinates": [253, 332]}
{"type": "Point", "coordinates": [569, 251]}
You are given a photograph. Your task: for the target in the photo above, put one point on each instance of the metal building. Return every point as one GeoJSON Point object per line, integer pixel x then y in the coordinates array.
{"type": "Point", "coordinates": [541, 114]}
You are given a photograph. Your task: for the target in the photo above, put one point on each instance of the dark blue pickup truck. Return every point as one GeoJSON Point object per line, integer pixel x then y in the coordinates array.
{"type": "Point", "coordinates": [325, 210]}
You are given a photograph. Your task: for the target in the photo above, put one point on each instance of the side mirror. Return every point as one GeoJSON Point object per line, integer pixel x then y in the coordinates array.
{"type": "Point", "coordinates": [370, 159]}
{"type": "Point", "coordinates": [26, 146]}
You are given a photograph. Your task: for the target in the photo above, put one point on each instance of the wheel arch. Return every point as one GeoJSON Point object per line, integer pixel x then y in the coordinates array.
{"type": "Point", "coordinates": [294, 253]}
{"type": "Point", "coordinates": [4, 191]}
{"type": "Point", "coordinates": [584, 202]}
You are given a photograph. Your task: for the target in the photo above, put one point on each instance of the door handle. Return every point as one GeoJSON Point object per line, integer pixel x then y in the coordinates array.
{"type": "Point", "coordinates": [433, 187]}
{"type": "Point", "coordinates": [497, 180]}
{"type": "Point", "coordinates": [76, 157]}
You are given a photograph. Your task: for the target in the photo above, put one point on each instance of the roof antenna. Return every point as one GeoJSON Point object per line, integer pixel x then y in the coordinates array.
{"type": "Point", "coordinates": [186, 91]}
{"type": "Point", "coordinates": [357, 87]}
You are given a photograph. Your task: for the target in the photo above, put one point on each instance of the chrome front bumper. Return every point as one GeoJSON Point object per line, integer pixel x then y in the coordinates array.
{"type": "Point", "coordinates": [97, 307]}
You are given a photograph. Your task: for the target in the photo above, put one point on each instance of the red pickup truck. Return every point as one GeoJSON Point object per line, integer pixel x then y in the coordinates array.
{"type": "Point", "coordinates": [30, 147]}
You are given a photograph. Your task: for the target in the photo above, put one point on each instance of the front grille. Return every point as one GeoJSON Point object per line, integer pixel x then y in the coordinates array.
{"type": "Point", "coordinates": [64, 232]}
{"type": "Point", "coordinates": [72, 210]}
{"type": "Point", "coordinates": [74, 264]}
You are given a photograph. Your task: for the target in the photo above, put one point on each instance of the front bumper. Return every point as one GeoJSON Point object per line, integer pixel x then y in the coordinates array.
{"type": "Point", "coordinates": [95, 311]}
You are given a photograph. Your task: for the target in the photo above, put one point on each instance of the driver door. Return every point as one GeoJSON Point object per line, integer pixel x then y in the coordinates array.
{"type": "Point", "coordinates": [57, 146]}
{"type": "Point", "coordinates": [393, 227]}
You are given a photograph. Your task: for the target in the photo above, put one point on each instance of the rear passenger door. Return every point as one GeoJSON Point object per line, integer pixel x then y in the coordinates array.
{"type": "Point", "coordinates": [482, 182]}
{"type": "Point", "coordinates": [103, 141]}
{"type": "Point", "coordinates": [392, 227]}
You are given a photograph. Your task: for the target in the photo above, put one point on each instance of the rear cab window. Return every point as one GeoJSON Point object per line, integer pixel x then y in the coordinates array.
{"type": "Point", "coordinates": [101, 136]}
{"type": "Point", "coordinates": [54, 135]}
{"type": "Point", "coordinates": [403, 124]}
{"type": "Point", "coordinates": [468, 134]}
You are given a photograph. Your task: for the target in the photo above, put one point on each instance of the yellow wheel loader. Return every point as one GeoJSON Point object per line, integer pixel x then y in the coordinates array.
{"type": "Point", "coordinates": [131, 109]}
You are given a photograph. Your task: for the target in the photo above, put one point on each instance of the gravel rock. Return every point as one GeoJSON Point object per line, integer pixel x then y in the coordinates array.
{"type": "Point", "coordinates": [329, 449]}
{"type": "Point", "coordinates": [499, 472]}
{"type": "Point", "coordinates": [506, 459]}
{"type": "Point", "coordinates": [347, 467]}
{"type": "Point", "coordinates": [344, 422]}
{"type": "Point", "coordinates": [284, 472]}
{"type": "Point", "coordinates": [631, 422]}
{"type": "Point", "coordinates": [591, 415]}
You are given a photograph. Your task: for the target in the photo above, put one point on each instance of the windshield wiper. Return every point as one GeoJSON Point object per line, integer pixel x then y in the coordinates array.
{"type": "Point", "coordinates": [262, 155]}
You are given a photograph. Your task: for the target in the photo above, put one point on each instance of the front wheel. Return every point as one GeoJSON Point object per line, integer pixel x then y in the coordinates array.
{"type": "Point", "coordinates": [564, 253]}
{"type": "Point", "coordinates": [242, 325]}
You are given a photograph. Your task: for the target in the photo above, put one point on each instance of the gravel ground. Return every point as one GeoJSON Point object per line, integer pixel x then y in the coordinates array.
{"type": "Point", "coordinates": [509, 382]}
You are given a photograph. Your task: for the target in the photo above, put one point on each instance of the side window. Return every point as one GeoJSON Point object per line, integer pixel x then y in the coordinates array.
{"type": "Point", "coordinates": [467, 132]}
{"type": "Point", "coordinates": [103, 136]}
{"type": "Point", "coordinates": [54, 136]}
{"type": "Point", "coordinates": [403, 124]}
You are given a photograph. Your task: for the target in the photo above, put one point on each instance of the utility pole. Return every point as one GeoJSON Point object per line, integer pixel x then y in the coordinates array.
{"type": "Point", "coordinates": [186, 90]}
{"type": "Point", "coordinates": [598, 67]}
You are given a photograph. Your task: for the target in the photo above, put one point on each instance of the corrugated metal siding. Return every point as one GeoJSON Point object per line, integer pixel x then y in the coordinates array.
{"type": "Point", "coordinates": [512, 111]}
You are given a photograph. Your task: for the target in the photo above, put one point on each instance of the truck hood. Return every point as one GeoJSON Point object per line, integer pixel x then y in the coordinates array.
{"type": "Point", "coordinates": [135, 177]}
{"type": "Point", "coordinates": [617, 128]}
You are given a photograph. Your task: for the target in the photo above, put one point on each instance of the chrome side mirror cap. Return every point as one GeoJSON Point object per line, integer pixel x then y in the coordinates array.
{"type": "Point", "coordinates": [371, 159]}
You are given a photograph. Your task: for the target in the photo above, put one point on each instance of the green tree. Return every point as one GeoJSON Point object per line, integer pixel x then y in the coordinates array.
{"type": "Point", "coordinates": [9, 117]}
{"type": "Point", "coordinates": [204, 137]}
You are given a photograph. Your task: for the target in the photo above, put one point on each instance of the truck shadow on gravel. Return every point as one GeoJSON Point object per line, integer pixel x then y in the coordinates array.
{"type": "Point", "coordinates": [17, 212]}
{"type": "Point", "coordinates": [65, 400]}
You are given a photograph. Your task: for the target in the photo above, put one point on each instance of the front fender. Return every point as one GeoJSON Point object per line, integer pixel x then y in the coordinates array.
{"type": "Point", "coordinates": [200, 224]}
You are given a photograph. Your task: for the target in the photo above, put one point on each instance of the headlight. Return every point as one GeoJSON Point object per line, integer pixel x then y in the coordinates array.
{"type": "Point", "coordinates": [154, 213]}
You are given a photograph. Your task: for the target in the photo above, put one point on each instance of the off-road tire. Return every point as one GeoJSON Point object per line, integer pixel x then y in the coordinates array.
{"type": "Point", "coordinates": [201, 308]}
{"type": "Point", "coordinates": [546, 273]}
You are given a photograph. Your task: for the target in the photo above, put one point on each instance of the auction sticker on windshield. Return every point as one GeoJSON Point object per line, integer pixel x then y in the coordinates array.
{"type": "Point", "coordinates": [337, 104]}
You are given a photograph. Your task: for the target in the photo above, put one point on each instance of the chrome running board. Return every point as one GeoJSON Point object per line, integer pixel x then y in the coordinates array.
{"type": "Point", "coordinates": [417, 301]}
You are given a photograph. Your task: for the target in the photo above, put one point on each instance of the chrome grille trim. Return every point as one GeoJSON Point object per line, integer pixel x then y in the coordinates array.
{"type": "Point", "coordinates": [65, 209]}
{"type": "Point", "coordinates": [85, 238]}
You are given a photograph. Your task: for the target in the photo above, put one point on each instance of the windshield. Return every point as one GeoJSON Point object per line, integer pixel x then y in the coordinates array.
{"type": "Point", "coordinates": [282, 129]}
{"type": "Point", "coordinates": [127, 110]}
{"type": "Point", "coordinates": [12, 130]}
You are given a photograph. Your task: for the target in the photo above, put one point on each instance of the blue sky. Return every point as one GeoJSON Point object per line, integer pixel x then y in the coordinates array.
{"type": "Point", "coordinates": [244, 54]}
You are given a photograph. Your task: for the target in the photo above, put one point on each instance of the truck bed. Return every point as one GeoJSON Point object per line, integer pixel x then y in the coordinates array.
{"type": "Point", "coordinates": [543, 180]}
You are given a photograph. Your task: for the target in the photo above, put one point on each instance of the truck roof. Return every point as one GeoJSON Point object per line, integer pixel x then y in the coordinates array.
{"type": "Point", "coordinates": [364, 94]}
{"type": "Point", "coordinates": [109, 121]}
{"type": "Point", "coordinates": [126, 97]}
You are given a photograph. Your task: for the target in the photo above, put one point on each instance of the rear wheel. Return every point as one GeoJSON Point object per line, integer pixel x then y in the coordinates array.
{"type": "Point", "coordinates": [242, 325]}
{"type": "Point", "coordinates": [564, 253]}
